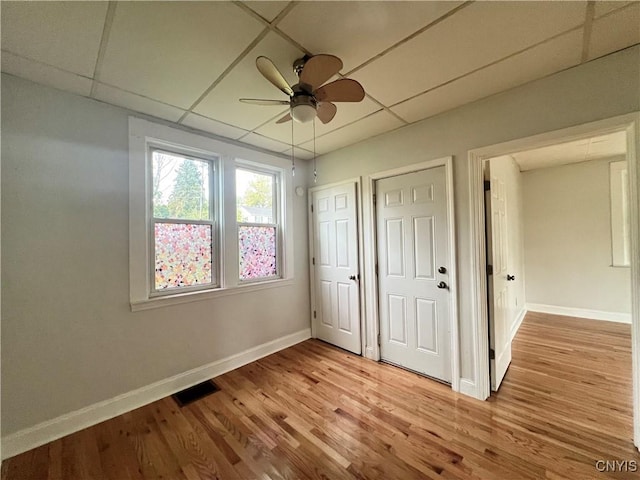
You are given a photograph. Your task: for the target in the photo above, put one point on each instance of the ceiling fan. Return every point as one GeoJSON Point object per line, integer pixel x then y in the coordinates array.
{"type": "Point", "coordinates": [309, 97]}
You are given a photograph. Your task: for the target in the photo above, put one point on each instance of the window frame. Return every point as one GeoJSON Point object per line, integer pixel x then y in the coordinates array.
{"type": "Point", "coordinates": [211, 161]}
{"type": "Point", "coordinates": [143, 134]}
{"type": "Point", "coordinates": [277, 175]}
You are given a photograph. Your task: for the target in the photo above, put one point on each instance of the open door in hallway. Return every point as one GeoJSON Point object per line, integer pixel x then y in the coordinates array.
{"type": "Point", "coordinates": [501, 243]}
{"type": "Point", "coordinates": [335, 264]}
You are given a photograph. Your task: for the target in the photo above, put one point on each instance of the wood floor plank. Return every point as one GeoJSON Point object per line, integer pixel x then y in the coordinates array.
{"type": "Point", "coordinates": [313, 411]}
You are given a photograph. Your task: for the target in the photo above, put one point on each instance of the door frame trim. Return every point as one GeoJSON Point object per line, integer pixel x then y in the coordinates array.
{"type": "Point", "coordinates": [312, 277]}
{"type": "Point", "coordinates": [372, 318]}
{"type": "Point", "coordinates": [630, 123]}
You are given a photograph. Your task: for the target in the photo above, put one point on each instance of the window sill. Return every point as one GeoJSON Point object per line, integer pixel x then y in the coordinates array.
{"type": "Point", "coordinates": [180, 298]}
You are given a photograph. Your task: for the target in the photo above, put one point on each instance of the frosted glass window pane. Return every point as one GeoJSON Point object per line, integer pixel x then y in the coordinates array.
{"type": "Point", "coordinates": [180, 187]}
{"type": "Point", "coordinates": [182, 255]}
{"type": "Point", "coordinates": [257, 246]}
{"type": "Point", "coordinates": [254, 195]}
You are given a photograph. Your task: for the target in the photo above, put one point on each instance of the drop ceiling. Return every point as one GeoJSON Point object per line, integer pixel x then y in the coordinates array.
{"type": "Point", "coordinates": [190, 62]}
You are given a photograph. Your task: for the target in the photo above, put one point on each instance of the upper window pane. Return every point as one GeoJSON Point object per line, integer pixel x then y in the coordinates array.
{"type": "Point", "coordinates": [180, 187]}
{"type": "Point", "coordinates": [254, 191]}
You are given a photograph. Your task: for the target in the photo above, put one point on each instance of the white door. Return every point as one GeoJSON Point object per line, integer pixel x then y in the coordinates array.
{"type": "Point", "coordinates": [499, 276]}
{"type": "Point", "coordinates": [413, 254]}
{"type": "Point", "coordinates": [335, 258]}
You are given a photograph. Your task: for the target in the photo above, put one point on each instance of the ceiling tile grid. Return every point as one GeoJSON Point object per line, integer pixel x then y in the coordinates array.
{"type": "Point", "coordinates": [65, 35]}
{"type": "Point", "coordinates": [472, 38]}
{"type": "Point", "coordinates": [358, 31]}
{"type": "Point", "coordinates": [190, 62]}
{"type": "Point", "coordinates": [148, 106]}
{"type": "Point", "coordinates": [173, 51]}
{"type": "Point", "coordinates": [45, 74]}
{"type": "Point", "coordinates": [554, 55]}
{"type": "Point", "coordinates": [244, 81]}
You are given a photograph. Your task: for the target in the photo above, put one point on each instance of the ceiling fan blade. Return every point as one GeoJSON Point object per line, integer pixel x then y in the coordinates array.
{"type": "Point", "coordinates": [326, 111]}
{"type": "Point", "coordinates": [343, 90]}
{"type": "Point", "coordinates": [271, 73]}
{"type": "Point", "coordinates": [260, 101]}
{"type": "Point", "coordinates": [320, 68]}
{"type": "Point", "coordinates": [286, 118]}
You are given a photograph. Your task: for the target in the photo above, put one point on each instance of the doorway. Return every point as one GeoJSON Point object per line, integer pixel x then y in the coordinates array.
{"type": "Point", "coordinates": [552, 231]}
{"type": "Point", "coordinates": [630, 124]}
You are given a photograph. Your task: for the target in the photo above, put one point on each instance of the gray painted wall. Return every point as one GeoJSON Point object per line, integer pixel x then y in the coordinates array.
{"type": "Point", "coordinates": [69, 338]}
{"type": "Point", "coordinates": [567, 221]}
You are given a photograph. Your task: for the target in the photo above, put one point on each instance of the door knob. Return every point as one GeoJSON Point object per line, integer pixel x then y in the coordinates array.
{"type": "Point", "coordinates": [352, 277]}
{"type": "Point", "coordinates": [443, 285]}
{"type": "Point", "coordinates": [442, 270]}
{"type": "Point", "coordinates": [510, 277]}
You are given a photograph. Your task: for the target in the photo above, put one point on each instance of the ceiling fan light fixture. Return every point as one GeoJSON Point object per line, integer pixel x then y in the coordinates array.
{"type": "Point", "coordinates": [303, 113]}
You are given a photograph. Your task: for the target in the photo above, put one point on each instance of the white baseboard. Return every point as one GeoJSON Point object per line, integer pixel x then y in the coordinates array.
{"type": "Point", "coordinates": [66, 424]}
{"type": "Point", "coordinates": [518, 322]}
{"type": "Point", "coordinates": [580, 313]}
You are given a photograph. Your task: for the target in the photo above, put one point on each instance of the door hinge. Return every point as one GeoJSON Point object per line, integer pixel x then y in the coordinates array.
{"type": "Point", "coordinates": [374, 198]}
{"type": "Point", "coordinates": [379, 340]}
{"type": "Point", "coordinates": [312, 208]}
{"type": "Point", "coordinates": [487, 185]}
{"type": "Point", "coordinates": [489, 269]}
{"type": "Point", "coordinates": [314, 314]}
{"type": "Point", "coordinates": [492, 354]}
{"type": "Point", "coordinates": [313, 261]}
{"type": "Point", "coordinates": [376, 269]}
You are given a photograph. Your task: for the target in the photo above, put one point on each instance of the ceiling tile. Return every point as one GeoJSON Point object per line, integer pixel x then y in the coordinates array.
{"type": "Point", "coordinates": [135, 102]}
{"type": "Point", "coordinates": [266, 9]}
{"type": "Point", "coordinates": [244, 81]}
{"type": "Point", "coordinates": [49, 31]}
{"type": "Point", "coordinates": [615, 31]}
{"type": "Point", "coordinates": [45, 74]}
{"type": "Point", "coordinates": [300, 153]}
{"type": "Point", "coordinates": [264, 142]}
{"type": "Point", "coordinates": [474, 36]}
{"type": "Point", "coordinates": [173, 51]}
{"type": "Point", "coordinates": [367, 127]}
{"type": "Point", "coordinates": [550, 57]}
{"type": "Point", "coordinates": [602, 7]}
{"type": "Point", "coordinates": [213, 126]}
{"type": "Point", "coordinates": [347, 113]}
{"type": "Point", "coordinates": [357, 31]}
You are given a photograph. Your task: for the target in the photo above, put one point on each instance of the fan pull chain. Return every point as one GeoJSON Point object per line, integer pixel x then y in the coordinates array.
{"type": "Point", "coordinates": [293, 157]}
{"type": "Point", "coordinates": [315, 171]}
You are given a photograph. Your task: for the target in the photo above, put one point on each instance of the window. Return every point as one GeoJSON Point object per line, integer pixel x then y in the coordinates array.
{"type": "Point", "coordinates": [206, 218]}
{"type": "Point", "coordinates": [258, 229]}
{"type": "Point", "coordinates": [182, 223]}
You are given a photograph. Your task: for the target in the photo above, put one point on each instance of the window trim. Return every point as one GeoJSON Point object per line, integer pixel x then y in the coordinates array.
{"type": "Point", "coordinates": [277, 174]}
{"type": "Point", "coordinates": [142, 134]}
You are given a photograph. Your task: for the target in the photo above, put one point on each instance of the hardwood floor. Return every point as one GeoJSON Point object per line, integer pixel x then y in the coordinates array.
{"type": "Point", "coordinates": [314, 411]}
